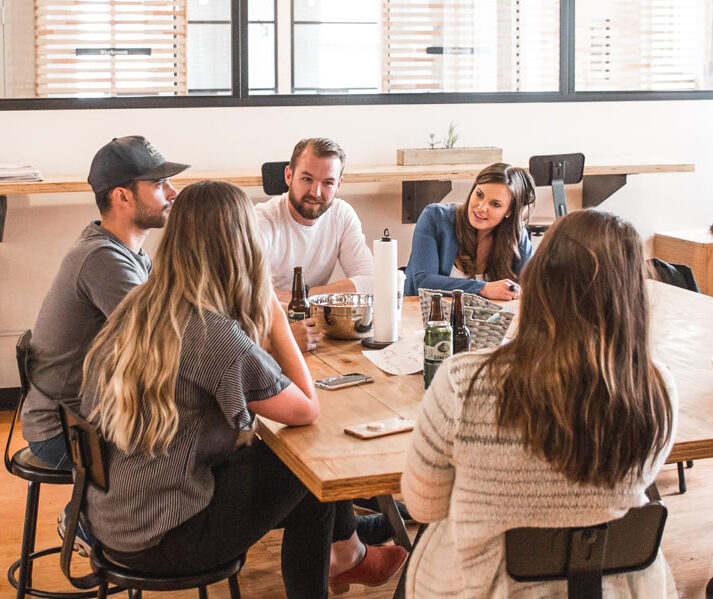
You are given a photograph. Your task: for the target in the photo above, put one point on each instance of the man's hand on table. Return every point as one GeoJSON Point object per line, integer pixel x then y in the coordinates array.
{"type": "Point", "coordinates": [306, 334]}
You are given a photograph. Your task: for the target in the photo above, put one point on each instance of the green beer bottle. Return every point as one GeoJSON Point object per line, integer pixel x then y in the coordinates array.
{"type": "Point", "coordinates": [437, 341]}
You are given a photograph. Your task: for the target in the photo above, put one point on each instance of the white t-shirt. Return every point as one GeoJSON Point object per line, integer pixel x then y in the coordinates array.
{"type": "Point", "coordinates": [336, 235]}
{"type": "Point", "coordinates": [456, 273]}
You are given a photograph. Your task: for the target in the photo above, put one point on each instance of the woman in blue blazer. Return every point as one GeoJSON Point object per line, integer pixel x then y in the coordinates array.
{"type": "Point", "coordinates": [479, 246]}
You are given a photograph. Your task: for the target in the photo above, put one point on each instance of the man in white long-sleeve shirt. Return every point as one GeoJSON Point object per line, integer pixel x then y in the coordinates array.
{"type": "Point", "coordinates": [309, 227]}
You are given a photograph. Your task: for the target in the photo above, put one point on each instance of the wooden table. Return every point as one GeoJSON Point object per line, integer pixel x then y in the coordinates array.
{"type": "Point", "coordinates": [599, 181]}
{"type": "Point", "coordinates": [336, 466]}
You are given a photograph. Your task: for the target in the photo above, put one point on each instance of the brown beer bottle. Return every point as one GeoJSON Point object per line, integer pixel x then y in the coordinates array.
{"type": "Point", "coordinates": [461, 334]}
{"type": "Point", "coordinates": [298, 308]}
{"type": "Point", "coordinates": [436, 309]}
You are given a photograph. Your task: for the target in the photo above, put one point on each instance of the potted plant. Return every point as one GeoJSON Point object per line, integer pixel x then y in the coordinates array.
{"type": "Point", "coordinates": [448, 153]}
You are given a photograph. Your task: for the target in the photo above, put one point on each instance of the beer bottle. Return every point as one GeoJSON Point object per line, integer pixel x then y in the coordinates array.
{"type": "Point", "coordinates": [298, 308]}
{"type": "Point", "coordinates": [461, 334]}
{"type": "Point", "coordinates": [436, 309]}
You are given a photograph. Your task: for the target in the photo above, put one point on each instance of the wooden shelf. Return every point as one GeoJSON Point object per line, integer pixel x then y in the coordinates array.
{"type": "Point", "coordinates": [418, 187]}
{"type": "Point", "coordinates": [357, 174]}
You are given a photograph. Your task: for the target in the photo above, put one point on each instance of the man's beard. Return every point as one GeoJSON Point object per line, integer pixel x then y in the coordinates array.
{"type": "Point", "coordinates": [308, 211]}
{"type": "Point", "coordinates": [148, 220]}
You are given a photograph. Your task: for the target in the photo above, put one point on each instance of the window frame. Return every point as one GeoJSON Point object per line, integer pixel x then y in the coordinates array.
{"type": "Point", "coordinates": [240, 96]}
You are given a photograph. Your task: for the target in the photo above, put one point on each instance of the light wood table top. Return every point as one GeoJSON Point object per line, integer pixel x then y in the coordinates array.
{"type": "Point", "coordinates": [335, 466]}
{"type": "Point", "coordinates": [356, 174]}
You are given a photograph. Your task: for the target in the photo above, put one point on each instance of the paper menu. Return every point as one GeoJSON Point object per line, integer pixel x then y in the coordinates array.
{"type": "Point", "coordinates": [403, 357]}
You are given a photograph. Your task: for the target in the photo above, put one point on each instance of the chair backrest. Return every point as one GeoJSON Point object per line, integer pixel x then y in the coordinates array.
{"type": "Point", "coordinates": [557, 170]}
{"type": "Point", "coordinates": [583, 555]}
{"type": "Point", "coordinates": [679, 275]}
{"type": "Point", "coordinates": [273, 178]}
{"type": "Point", "coordinates": [87, 449]}
{"type": "Point", "coordinates": [22, 352]}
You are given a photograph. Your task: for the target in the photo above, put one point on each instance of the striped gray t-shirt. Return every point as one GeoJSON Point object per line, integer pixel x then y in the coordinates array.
{"type": "Point", "coordinates": [221, 371]}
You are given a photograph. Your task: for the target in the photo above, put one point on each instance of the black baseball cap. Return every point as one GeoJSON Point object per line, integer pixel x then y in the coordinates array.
{"type": "Point", "coordinates": [131, 158]}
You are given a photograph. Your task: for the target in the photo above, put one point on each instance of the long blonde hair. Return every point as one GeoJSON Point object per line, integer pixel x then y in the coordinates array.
{"type": "Point", "coordinates": [577, 382]}
{"type": "Point", "coordinates": [210, 258]}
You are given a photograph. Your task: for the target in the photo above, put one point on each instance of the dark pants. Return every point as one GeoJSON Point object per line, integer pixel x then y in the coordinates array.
{"type": "Point", "coordinates": [344, 524]}
{"type": "Point", "coordinates": [254, 493]}
{"type": "Point", "coordinates": [52, 452]}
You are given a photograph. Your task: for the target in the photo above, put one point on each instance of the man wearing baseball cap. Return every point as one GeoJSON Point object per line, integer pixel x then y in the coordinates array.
{"type": "Point", "coordinates": [130, 180]}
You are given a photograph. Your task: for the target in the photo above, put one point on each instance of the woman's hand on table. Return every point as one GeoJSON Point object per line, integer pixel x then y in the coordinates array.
{"type": "Point", "coordinates": [505, 289]}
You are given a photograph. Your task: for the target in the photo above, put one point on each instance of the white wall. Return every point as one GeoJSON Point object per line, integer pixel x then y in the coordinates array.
{"type": "Point", "coordinates": [40, 228]}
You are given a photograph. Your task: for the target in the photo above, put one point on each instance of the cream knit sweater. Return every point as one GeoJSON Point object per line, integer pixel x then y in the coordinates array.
{"type": "Point", "coordinates": [473, 487]}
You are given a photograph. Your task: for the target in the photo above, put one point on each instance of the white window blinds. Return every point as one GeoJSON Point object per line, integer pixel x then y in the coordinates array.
{"type": "Point", "coordinates": [639, 45]}
{"type": "Point", "coordinates": [88, 48]}
{"type": "Point", "coordinates": [470, 45]}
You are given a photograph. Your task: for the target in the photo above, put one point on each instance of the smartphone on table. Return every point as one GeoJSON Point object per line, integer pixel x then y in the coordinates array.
{"type": "Point", "coordinates": [343, 380]}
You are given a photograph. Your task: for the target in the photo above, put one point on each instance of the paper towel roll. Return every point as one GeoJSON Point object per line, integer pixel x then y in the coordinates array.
{"type": "Point", "coordinates": [386, 322]}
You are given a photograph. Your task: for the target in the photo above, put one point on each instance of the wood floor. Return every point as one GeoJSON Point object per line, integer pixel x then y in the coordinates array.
{"type": "Point", "coordinates": [687, 543]}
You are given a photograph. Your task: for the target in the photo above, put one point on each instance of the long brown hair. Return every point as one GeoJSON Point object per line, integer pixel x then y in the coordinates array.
{"type": "Point", "coordinates": [577, 382]}
{"type": "Point", "coordinates": [209, 259]}
{"type": "Point", "coordinates": [505, 251]}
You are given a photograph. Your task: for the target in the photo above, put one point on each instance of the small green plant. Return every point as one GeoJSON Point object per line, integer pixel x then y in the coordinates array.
{"type": "Point", "coordinates": [432, 143]}
{"type": "Point", "coordinates": [452, 137]}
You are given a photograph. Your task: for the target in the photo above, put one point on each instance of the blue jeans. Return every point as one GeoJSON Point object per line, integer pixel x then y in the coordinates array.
{"type": "Point", "coordinates": [52, 452]}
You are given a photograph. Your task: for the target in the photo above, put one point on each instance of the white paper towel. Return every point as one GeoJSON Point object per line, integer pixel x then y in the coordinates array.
{"type": "Point", "coordinates": [386, 322]}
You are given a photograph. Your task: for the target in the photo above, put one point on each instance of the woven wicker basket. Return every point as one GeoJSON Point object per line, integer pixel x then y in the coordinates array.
{"type": "Point", "coordinates": [488, 322]}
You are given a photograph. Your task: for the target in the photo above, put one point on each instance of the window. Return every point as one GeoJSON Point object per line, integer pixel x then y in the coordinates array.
{"type": "Point", "coordinates": [106, 53]}
{"type": "Point", "coordinates": [112, 48]}
{"type": "Point", "coordinates": [262, 49]}
{"type": "Point", "coordinates": [336, 46]}
{"type": "Point", "coordinates": [502, 45]}
{"type": "Point", "coordinates": [644, 45]}
{"type": "Point", "coordinates": [117, 48]}
{"type": "Point", "coordinates": [208, 48]}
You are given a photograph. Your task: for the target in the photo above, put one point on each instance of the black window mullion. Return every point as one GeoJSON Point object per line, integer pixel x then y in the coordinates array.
{"type": "Point", "coordinates": [567, 49]}
{"type": "Point", "coordinates": [292, 46]}
{"type": "Point", "coordinates": [240, 48]}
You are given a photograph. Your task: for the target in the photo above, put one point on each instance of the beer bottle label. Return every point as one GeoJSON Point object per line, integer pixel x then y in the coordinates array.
{"type": "Point", "coordinates": [438, 352]}
{"type": "Point", "coordinates": [293, 316]}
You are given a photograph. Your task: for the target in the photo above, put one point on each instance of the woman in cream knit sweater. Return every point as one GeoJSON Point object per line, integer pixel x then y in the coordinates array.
{"type": "Point", "coordinates": [565, 426]}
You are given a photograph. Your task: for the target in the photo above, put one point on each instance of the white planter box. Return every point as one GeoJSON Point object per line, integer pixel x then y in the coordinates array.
{"type": "Point", "coordinates": [417, 156]}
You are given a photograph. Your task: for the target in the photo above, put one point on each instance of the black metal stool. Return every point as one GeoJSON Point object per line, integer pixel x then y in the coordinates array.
{"type": "Point", "coordinates": [25, 465]}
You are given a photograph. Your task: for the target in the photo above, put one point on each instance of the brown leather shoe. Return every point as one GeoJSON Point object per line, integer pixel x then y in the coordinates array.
{"type": "Point", "coordinates": [379, 565]}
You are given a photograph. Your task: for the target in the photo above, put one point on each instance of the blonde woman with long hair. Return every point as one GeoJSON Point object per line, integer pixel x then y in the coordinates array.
{"type": "Point", "coordinates": [564, 426]}
{"type": "Point", "coordinates": [174, 382]}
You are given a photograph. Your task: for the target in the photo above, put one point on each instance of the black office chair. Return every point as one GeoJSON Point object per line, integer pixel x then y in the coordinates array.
{"type": "Point", "coordinates": [273, 178]}
{"type": "Point", "coordinates": [88, 451]}
{"type": "Point", "coordinates": [681, 276]}
{"type": "Point", "coordinates": [25, 465]}
{"type": "Point", "coordinates": [555, 170]}
{"type": "Point", "coordinates": [583, 555]}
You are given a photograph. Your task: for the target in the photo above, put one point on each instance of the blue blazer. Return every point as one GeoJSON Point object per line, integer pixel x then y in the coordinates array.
{"type": "Point", "coordinates": [433, 251]}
